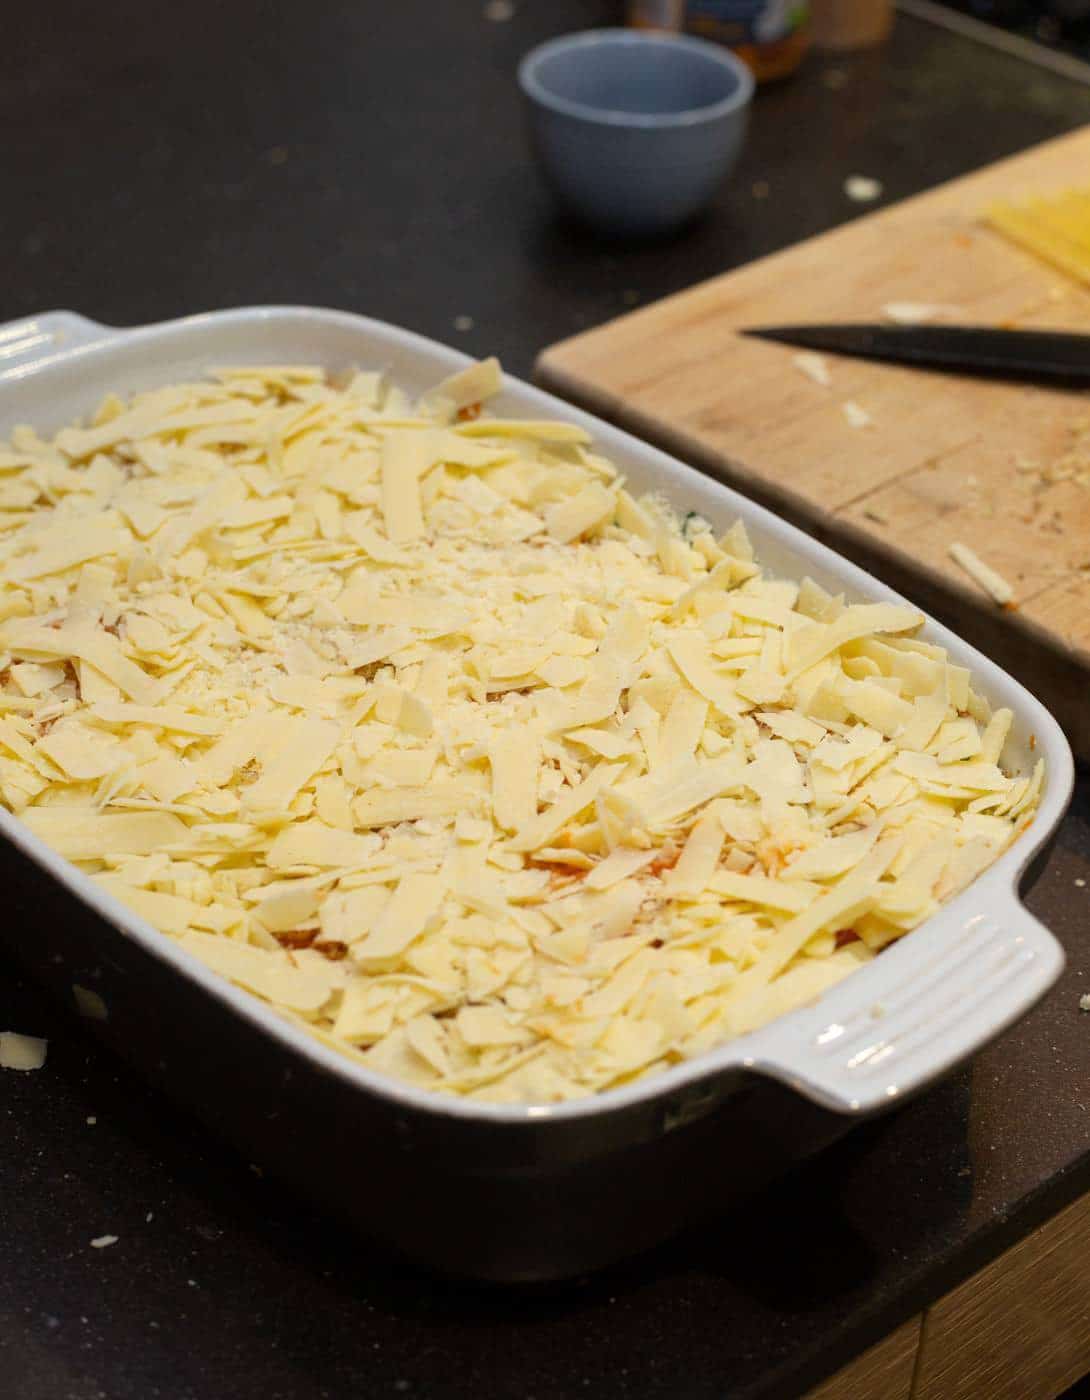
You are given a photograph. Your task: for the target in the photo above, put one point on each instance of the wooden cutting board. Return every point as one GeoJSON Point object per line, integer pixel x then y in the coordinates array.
{"type": "Point", "coordinates": [944, 459]}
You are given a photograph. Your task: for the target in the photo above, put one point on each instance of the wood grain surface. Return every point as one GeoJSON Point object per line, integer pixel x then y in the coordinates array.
{"type": "Point", "coordinates": [1017, 1330]}
{"type": "Point", "coordinates": [946, 457]}
{"type": "Point", "coordinates": [883, 1372]}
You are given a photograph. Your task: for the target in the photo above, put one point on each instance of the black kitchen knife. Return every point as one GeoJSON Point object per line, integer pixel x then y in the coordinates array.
{"type": "Point", "coordinates": [1059, 358]}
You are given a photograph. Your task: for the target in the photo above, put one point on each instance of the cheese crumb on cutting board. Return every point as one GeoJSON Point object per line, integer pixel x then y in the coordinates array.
{"type": "Point", "coordinates": [983, 574]}
{"type": "Point", "coordinates": [814, 366]}
{"type": "Point", "coordinates": [856, 414]}
{"type": "Point", "coordinates": [916, 313]}
{"type": "Point", "coordinates": [414, 723]}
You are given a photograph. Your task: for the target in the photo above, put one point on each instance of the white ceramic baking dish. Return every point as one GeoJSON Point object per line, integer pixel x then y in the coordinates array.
{"type": "Point", "coordinates": [499, 1191]}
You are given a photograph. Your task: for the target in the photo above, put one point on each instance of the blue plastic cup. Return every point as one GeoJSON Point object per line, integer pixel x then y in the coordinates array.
{"type": "Point", "coordinates": [635, 131]}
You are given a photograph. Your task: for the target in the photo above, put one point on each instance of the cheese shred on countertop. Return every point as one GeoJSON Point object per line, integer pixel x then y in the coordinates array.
{"type": "Point", "coordinates": [416, 724]}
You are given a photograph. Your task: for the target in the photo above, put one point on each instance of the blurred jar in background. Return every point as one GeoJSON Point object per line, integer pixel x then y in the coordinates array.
{"type": "Point", "coordinates": [769, 35]}
{"type": "Point", "coordinates": [850, 24]}
{"type": "Point", "coordinates": [656, 14]}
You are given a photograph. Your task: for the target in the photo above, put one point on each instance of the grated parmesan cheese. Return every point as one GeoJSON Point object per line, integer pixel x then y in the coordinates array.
{"type": "Point", "coordinates": [414, 723]}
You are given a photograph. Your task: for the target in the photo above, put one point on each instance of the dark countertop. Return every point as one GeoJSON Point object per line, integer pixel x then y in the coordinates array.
{"type": "Point", "coordinates": [163, 160]}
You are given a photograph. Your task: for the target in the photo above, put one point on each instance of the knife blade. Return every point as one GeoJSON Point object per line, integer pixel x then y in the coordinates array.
{"type": "Point", "coordinates": [1058, 358]}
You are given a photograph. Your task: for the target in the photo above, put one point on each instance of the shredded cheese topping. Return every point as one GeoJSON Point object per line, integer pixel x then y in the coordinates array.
{"type": "Point", "coordinates": [417, 724]}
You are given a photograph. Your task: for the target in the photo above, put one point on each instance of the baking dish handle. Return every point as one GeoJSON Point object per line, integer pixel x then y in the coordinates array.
{"type": "Point", "coordinates": [968, 974]}
{"type": "Point", "coordinates": [26, 343]}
